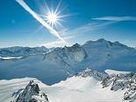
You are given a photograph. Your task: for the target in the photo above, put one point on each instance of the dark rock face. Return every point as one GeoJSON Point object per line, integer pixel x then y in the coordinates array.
{"type": "Point", "coordinates": [31, 93]}
{"type": "Point", "coordinates": [119, 81]}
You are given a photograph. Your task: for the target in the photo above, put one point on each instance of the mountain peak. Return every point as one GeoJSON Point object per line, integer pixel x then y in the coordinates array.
{"type": "Point", "coordinates": [101, 40]}
{"type": "Point", "coordinates": [76, 45]}
{"type": "Point", "coordinates": [31, 93]}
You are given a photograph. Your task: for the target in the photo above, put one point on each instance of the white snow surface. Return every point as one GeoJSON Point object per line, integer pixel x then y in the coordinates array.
{"type": "Point", "coordinates": [114, 72]}
{"type": "Point", "coordinates": [74, 89]}
{"type": "Point", "coordinates": [8, 58]}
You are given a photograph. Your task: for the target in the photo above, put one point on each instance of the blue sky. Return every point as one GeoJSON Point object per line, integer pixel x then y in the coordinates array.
{"type": "Point", "coordinates": [113, 20]}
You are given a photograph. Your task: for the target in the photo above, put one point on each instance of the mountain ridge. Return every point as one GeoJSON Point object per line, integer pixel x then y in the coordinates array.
{"type": "Point", "coordinates": [60, 63]}
{"type": "Point", "coordinates": [18, 51]}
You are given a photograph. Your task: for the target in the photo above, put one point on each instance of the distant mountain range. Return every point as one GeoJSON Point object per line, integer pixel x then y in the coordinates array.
{"type": "Point", "coordinates": [18, 51]}
{"type": "Point", "coordinates": [60, 63]}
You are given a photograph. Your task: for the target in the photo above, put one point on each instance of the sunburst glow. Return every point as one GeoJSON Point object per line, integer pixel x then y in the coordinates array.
{"type": "Point", "coordinates": [52, 18]}
{"type": "Point", "coordinates": [40, 19]}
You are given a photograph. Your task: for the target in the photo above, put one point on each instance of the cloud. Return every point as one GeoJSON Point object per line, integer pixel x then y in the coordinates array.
{"type": "Point", "coordinates": [115, 18]}
{"type": "Point", "coordinates": [40, 20]}
{"type": "Point", "coordinates": [96, 25]}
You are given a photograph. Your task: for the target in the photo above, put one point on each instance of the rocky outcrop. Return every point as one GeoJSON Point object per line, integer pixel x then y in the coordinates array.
{"type": "Point", "coordinates": [93, 73]}
{"type": "Point", "coordinates": [31, 93]}
{"type": "Point", "coordinates": [126, 82]}
{"type": "Point", "coordinates": [119, 81]}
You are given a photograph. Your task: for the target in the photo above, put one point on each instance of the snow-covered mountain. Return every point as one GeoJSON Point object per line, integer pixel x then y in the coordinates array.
{"type": "Point", "coordinates": [110, 55]}
{"type": "Point", "coordinates": [86, 86]}
{"type": "Point", "coordinates": [50, 67]}
{"type": "Point", "coordinates": [60, 63]}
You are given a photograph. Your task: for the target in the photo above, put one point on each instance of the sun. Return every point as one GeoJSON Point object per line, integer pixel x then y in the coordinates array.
{"type": "Point", "coordinates": [52, 18]}
{"type": "Point", "coordinates": [53, 15]}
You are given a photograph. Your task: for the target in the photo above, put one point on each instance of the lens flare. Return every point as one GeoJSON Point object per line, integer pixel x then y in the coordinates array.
{"type": "Point", "coordinates": [52, 18]}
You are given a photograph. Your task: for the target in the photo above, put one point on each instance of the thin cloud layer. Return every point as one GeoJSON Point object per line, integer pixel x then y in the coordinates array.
{"type": "Point", "coordinates": [88, 28]}
{"type": "Point", "coordinates": [70, 35]}
{"type": "Point", "coordinates": [116, 18]}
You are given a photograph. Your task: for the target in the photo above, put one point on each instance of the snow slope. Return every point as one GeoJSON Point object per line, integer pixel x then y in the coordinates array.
{"type": "Point", "coordinates": [74, 89]}
{"type": "Point", "coordinates": [87, 86]}
{"type": "Point", "coordinates": [79, 89]}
